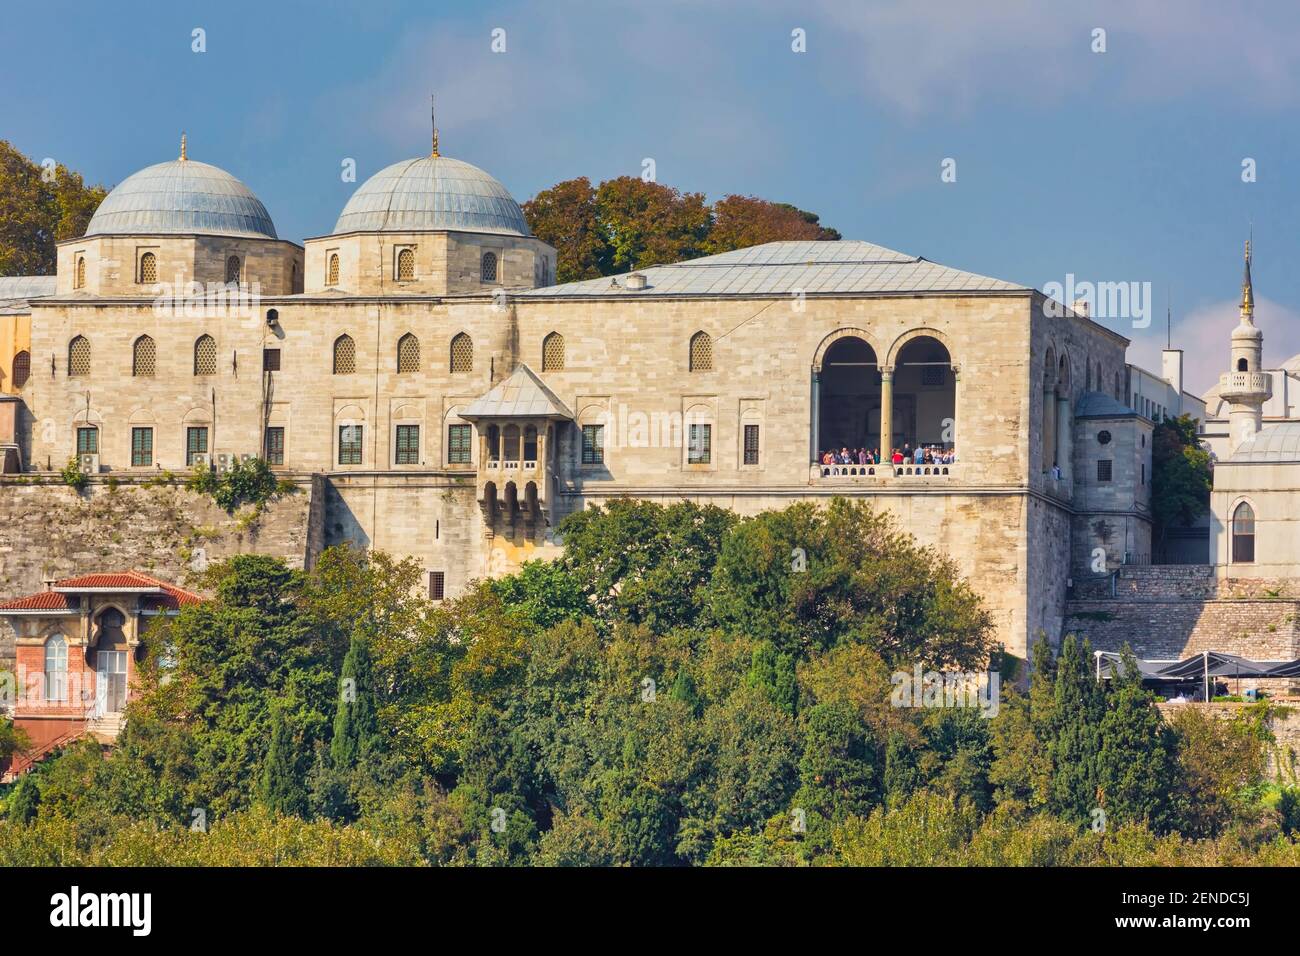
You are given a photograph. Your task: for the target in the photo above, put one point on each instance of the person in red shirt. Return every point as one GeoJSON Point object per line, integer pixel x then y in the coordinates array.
{"type": "Point", "coordinates": [898, 457]}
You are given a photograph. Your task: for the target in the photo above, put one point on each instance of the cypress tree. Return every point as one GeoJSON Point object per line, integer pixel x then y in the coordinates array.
{"type": "Point", "coordinates": [1137, 765]}
{"type": "Point", "coordinates": [282, 789]}
{"type": "Point", "coordinates": [356, 728]}
{"type": "Point", "coordinates": [1078, 709]}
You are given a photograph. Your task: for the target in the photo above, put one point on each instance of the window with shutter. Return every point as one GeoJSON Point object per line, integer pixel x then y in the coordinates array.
{"type": "Point", "coordinates": [141, 447]}
{"type": "Point", "coordinates": [458, 444]}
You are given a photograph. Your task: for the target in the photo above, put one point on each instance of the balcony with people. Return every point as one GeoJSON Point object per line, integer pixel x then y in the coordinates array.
{"type": "Point", "coordinates": [857, 400]}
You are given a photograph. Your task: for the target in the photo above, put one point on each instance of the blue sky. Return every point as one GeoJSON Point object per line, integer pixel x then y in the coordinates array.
{"type": "Point", "coordinates": [1115, 166]}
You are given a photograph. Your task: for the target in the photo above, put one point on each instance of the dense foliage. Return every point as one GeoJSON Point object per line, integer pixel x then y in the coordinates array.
{"type": "Point", "coordinates": [1180, 476]}
{"type": "Point", "coordinates": [627, 223]}
{"type": "Point", "coordinates": [43, 204]}
{"type": "Point", "coordinates": [683, 687]}
{"type": "Point", "coordinates": [245, 482]}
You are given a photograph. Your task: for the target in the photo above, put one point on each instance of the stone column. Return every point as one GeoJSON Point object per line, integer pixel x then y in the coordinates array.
{"type": "Point", "coordinates": [956, 403]}
{"type": "Point", "coordinates": [886, 411]}
{"type": "Point", "coordinates": [1064, 437]}
{"type": "Point", "coordinates": [815, 439]}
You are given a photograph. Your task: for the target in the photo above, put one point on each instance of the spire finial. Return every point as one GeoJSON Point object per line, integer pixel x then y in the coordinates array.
{"type": "Point", "coordinates": [1247, 288]}
{"type": "Point", "coordinates": [433, 121]}
{"type": "Point", "coordinates": [183, 156]}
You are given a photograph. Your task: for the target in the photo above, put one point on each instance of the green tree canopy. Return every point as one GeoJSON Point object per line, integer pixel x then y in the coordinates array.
{"type": "Point", "coordinates": [39, 206]}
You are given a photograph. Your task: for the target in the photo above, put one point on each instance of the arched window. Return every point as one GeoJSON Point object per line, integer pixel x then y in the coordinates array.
{"type": "Point", "coordinates": [56, 668]}
{"type": "Point", "coordinates": [530, 443]}
{"type": "Point", "coordinates": [332, 272]}
{"type": "Point", "coordinates": [553, 352]}
{"type": "Point", "coordinates": [205, 355]}
{"type": "Point", "coordinates": [1243, 365]}
{"type": "Point", "coordinates": [489, 270]}
{"type": "Point", "coordinates": [462, 353]}
{"type": "Point", "coordinates": [142, 357]}
{"type": "Point", "coordinates": [701, 352]}
{"type": "Point", "coordinates": [408, 353]}
{"type": "Point", "coordinates": [345, 355]}
{"type": "Point", "coordinates": [1243, 534]}
{"type": "Point", "coordinates": [148, 268]}
{"type": "Point", "coordinates": [80, 281]}
{"type": "Point", "coordinates": [22, 369]}
{"type": "Point", "coordinates": [406, 265]}
{"type": "Point", "coordinates": [232, 269]}
{"type": "Point", "coordinates": [79, 356]}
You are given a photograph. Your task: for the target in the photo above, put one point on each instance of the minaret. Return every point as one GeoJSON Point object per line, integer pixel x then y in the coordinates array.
{"type": "Point", "coordinates": [1247, 387]}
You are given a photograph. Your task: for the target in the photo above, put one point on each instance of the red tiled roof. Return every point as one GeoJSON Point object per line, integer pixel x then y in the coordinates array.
{"type": "Point", "coordinates": [171, 596]}
{"type": "Point", "coordinates": [41, 601]}
{"type": "Point", "coordinates": [115, 579]}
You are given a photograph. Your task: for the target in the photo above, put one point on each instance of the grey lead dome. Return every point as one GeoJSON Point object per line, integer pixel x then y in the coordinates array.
{"type": "Point", "coordinates": [432, 193]}
{"type": "Point", "coordinates": [182, 197]}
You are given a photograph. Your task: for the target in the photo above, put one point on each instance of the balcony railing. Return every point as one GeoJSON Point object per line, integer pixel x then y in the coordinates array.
{"type": "Point", "coordinates": [509, 465]}
{"type": "Point", "coordinates": [1245, 384]}
{"type": "Point", "coordinates": [883, 472]}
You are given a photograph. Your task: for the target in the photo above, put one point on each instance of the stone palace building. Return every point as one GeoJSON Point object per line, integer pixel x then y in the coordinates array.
{"type": "Point", "coordinates": [420, 371]}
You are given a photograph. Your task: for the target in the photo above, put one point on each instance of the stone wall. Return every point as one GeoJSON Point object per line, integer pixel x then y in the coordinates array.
{"type": "Point", "coordinates": [1283, 754]}
{"type": "Point", "coordinates": [48, 529]}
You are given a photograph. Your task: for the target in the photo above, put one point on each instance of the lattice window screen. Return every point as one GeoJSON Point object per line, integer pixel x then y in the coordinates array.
{"type": "Point", "coordinates": [462, 353]}
{"type": "Point", "coordinates": [701, 352]}
{"type": "Point", "coordinates": [553, 352]}
{"type": "Point", "coordinates": [205, 356]}
{"type": "Point", "coordinates": [79, 356]}
{"type": "Point", "coordinates": [142, 362]}
{"type": "Point", "coordinates": [345, 355]}
{"type": "Point", "coordinates": [408, 353]}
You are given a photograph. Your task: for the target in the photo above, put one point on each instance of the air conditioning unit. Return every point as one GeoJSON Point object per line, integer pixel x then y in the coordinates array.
{"type": "Point", "coordinates": [225, 462]}
{"type": "Point", "coordinates": [89, 464]}
{"type": "Point", "coordinates": [246, 458]}
{"type": "Point", "coordinates": [202, 460]}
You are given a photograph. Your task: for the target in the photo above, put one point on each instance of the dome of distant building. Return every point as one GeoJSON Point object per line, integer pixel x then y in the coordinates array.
{"type": "Point", "coordinates": [432, 193]}
{"type": "Point", "coordinates": [1277, 443]}
{"type": "Point", "coordinates": [182, 197]}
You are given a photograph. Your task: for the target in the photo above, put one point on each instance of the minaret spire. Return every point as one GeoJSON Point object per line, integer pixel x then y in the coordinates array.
{"type": "Point", "coordinates": [433, 121]}
{"type": "Point", "coordinates": [1247, 292]}
{"type": "Point", "coordinates": [183, 156]}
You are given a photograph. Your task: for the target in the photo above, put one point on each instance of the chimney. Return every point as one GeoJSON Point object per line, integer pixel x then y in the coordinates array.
{"type": "Point", "coordinates": [49, 581]}
{"type": "Point", "coordinates": [636, 281]}
{"type": "Point", "coordinates": [1171, 365]}
{"type": "Point", "coordinates": [1081, 307]}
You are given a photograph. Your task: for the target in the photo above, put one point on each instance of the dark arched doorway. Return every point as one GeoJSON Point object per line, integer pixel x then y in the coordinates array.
{"type": "Point", "coordinates": [849, 400]}
{"type": "Point", "coordinates": [925, 394]}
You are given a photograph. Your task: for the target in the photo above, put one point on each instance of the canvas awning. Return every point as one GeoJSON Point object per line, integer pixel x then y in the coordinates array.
{"type": "Point", "coordinates": [1203, 665]}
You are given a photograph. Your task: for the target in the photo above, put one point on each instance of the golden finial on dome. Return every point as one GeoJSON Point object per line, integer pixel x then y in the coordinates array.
{"type": "Point", "coordinates": [183, 156]}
